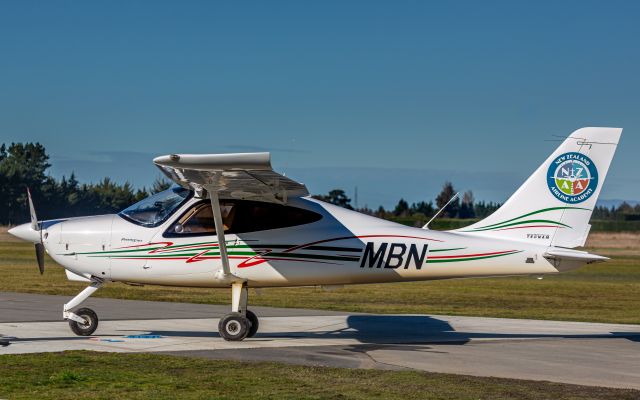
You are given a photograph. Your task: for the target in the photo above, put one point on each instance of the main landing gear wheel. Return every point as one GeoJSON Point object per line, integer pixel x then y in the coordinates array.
{"type": "Point", "coordinates": [254, 323]}
{"type": "Point", "coordinates": [90, 325]}
{"type": "Point", "coordinates": [234, 327]}
{"type": "Point", "coordinates": [240, 323]}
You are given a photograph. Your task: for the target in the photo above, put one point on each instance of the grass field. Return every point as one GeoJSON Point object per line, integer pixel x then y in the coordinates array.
{"type": "Point", "coordinates": [74, 375]}
{"type": "Point", "coordinates": [605, 292]}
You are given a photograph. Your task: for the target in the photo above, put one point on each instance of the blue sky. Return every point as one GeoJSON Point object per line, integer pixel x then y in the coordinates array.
{"type": "Point", "coordinates": [393, 97]}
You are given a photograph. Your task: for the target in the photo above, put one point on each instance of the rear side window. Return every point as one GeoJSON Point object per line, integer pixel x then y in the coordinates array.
{"type": "Point", "coordinates": [239, 216]}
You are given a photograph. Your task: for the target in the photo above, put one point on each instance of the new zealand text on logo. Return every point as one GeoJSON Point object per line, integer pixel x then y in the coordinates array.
{"type": "Point", "coordinates": [572, 177]}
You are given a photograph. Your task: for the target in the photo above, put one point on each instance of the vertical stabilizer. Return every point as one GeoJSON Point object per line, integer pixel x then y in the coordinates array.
{"type": "Point", "coordinates": [554, 205]}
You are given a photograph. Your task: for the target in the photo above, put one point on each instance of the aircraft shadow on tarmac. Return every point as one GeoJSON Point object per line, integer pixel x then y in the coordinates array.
{"type": "Point", "coordinates": [368, 329]}
{"type": "Point", "coordinates": [389, 329]}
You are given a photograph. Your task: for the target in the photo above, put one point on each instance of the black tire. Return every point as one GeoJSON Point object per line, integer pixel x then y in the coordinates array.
{"type": "Point", "coordinates": [234, 327]}
{"type": "Point", "coordinates": [253, 319]}
{"type": "Point", "coordinates": [87, 329]}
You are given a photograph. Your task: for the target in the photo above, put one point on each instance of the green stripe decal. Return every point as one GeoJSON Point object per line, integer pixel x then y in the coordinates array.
{"type": "Point", "coordinates": [438, 250]}
{"type": "Point", "coordinates": [216, 254]}
{"type": "Point", "coordinates": [503, 224]}
{"type": "Point", "coordinates": [470, 258]}
{"type": "Point", "coordinates": [529, 221]}
{"type": "Point", "coordinates": [186, 247]}
{"type": "Point", "coordinates": [207, 250]}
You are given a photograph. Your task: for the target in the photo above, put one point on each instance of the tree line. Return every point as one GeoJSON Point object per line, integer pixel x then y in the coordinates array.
{"type": "Point", "coordinates": [623, 212]}
{"type": "Point", "coordinates": [464, 207]}
{"type": "Point", "coordinates": [25, 165]}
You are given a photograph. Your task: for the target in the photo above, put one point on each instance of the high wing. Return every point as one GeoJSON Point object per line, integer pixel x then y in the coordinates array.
{"type": "Point", "coordinates": [246, 176]}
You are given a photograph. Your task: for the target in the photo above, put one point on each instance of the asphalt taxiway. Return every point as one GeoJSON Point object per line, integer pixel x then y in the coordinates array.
{"type": "Point", "coordinates": [569, 352]}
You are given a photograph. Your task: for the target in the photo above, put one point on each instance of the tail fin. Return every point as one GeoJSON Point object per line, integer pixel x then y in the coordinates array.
{"type": "Point", "coordinates": [554, 205]}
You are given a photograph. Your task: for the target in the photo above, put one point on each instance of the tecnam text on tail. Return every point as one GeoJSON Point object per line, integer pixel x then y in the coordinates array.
{"type": "Point", "coordinates": [233, 222]}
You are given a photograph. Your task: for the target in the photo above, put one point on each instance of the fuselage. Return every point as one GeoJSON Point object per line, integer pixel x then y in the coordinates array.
{"type": "Point", "coordinates": [310, 243]}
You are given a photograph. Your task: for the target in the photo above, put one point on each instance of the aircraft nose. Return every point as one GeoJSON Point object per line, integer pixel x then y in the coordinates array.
{"type": "Point", "coordinates": [25, 232]}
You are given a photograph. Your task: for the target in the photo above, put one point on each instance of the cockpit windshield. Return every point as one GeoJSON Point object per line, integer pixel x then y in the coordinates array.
{"type": "Point", "coordinates": [155, 209]}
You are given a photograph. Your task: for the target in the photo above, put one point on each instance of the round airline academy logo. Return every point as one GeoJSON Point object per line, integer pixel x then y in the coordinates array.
{"type": "Point", "coordinates": [572, 178]}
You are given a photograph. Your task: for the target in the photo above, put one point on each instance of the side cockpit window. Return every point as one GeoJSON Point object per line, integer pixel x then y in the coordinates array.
{"type": "Point", "coordinates": [239, 216]}
{"type": "Point", "coordinates": [199, 220]}
{"type": "Point", "coordinates": [156, 209]}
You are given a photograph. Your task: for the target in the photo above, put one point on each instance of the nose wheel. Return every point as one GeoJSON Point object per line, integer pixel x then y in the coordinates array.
{"type": "Point", "coordinates": [90, 322]}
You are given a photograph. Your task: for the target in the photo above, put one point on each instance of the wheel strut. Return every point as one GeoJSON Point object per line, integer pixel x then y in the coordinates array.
{"type": "Point", "coordinates": [239, 297]}
{"type": "Point", "coordinates": [85, 321]}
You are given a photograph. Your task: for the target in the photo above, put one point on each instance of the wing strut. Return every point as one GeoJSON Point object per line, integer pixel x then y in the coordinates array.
{"type": "Point", "coordinates": [217, 219]}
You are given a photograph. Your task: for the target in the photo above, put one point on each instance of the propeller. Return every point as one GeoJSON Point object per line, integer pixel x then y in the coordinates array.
{"type": "Point", "coordinates": [35, 225]}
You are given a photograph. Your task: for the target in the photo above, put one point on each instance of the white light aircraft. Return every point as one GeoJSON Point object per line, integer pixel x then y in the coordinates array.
{"type": "Point", "coordinates": [232, 222]}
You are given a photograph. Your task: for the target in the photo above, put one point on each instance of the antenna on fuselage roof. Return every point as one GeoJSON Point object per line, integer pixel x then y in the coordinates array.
{"type": "Point", "coordinates": [455, 196]}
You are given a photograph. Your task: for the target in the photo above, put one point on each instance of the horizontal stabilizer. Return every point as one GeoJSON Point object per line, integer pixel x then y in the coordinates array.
{"type": "Point", "coordinates": [573, 255]}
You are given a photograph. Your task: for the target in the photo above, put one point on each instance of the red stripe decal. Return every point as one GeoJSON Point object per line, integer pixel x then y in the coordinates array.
{"type": "Point", "coordinates": [145, 245]}
{"type": "Point", "coordinates": [471, 255]}
{"type": "Point", "coordinates": [218, 257]}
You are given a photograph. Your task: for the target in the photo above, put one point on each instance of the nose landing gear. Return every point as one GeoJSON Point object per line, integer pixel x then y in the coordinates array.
{"type": "Point", "coordinates": [83, 322]}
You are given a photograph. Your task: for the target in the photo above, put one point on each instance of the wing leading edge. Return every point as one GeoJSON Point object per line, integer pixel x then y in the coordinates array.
{"type": "Point", "coordinates": [246, 176]}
